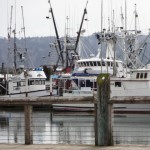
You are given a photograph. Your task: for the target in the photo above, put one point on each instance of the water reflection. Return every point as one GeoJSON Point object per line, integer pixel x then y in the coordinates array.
{"type": "Point", "coordinates": [52, 127]}
{"type": "Point", "coordinates": [4, 122]}
{"type": "Point", "coordinates": [68, 128]}
{"type": "Point", "coordinates": [131, 129]}
{"type": "Point", "coordinates": [48, 127]}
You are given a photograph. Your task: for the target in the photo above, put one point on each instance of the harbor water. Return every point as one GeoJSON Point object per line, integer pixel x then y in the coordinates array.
{"type": "Point", "coordinates": [71, 127]}
{"type": "Point", "coordinates": [48, 127]}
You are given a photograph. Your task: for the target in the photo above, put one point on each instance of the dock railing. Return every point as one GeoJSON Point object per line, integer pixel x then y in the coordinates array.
{"type": "Point", "coordinates": [29, 102]}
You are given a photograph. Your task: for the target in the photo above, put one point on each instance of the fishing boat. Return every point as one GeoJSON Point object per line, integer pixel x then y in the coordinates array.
{"type": "Point", "coordinates": [23, 81]}
{"type": "Point", "coordinates": [83, 78]}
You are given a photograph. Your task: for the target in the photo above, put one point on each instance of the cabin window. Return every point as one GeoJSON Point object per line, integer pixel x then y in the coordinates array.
{"type": "Point", "coordinates": [23, 83]}
{"type": "Point", "coordinates": [36, 82]}
{"type": "Point", "coordinates": [116, 64]}
{"type": "Point", "coordinates": [103, 63]}
{"type": "Point", "coordinates": [108, 63]}
{"type": "Point", "coordinates": [117, 84]}
{"type": "Point", "coordinates": [18, 83]}
{"type": "Point", "coordinates": [43, 82]}
{"type": "Point", "coordinates": [94, 63]}
{"type": "Point", "coordinates": [40, 82]}
{"type": "Point", "coordinates": [84, 63]}
{"type": "Point", "coordinates": [145, 75]}
{"type": "Point", "coordinates": [79, 64]}
{"type": "Point", "coordinates": [89, 83]}
{"type": "Point", "coordinates": [137, 75]}
{"type": "Point", "coordinates": [113, 64]}
{"type": "Point", "coordinates": [141, 75]}
{"type": "Point", "coordinates": [87, 63]}
{"type": "Point", "coordinates": [31, 82]}
{"type": "Point", "coordinates": [99, 64]}
{"type": "Point", "coordinates": [91, 63]}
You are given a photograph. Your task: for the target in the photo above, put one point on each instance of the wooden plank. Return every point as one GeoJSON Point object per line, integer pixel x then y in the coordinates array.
{"type": "Point", "coordinates": [130, 100]}
{"type": "Point", "coordinates": [46, 100]}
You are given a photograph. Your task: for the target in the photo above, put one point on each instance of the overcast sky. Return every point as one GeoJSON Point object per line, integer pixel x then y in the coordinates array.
{"type": "Point", "coordinates": [36, 24]}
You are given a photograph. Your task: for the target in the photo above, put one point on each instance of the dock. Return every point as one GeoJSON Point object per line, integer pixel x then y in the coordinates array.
{"type": "Point", "coordinates": [106, 135]}
{"type": "Point", "coordinates": [72, 147]}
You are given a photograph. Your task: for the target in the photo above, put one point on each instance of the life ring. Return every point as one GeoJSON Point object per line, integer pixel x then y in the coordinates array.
{"type": "Point", "coordinates": [85, 70]}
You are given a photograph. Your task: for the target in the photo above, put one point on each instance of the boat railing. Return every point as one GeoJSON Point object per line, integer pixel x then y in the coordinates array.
{"type": "Point", "coordinates": [77, 92]}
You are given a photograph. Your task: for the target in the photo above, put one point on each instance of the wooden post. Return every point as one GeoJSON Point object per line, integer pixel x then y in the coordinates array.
{"type": "Point", "coordinates": [28, 116]}
{"type": "Point", "coordinates": [95, 123]}
{"type": "Point", "coordinates": [103, 124]}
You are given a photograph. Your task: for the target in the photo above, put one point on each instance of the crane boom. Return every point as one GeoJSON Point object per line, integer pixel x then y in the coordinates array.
{"type": "Point", "coordinates": [57, 36]}
{"type": "Point", "coordinates": [77, 41]}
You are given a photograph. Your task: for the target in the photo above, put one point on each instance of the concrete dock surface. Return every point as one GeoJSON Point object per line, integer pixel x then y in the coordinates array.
{"type": "Point", "coordinates": [70, 147]}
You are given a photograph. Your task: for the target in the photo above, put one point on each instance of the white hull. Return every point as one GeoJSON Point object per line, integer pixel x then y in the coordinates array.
{"type": "Point", "coordinates": [30, 94]}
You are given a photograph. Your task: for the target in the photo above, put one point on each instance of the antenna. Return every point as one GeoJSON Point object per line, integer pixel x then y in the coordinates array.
{"type": "Point", "coordinates": [15, 16]}
{"type": "Point", "coordinates": [67, 26]}
{"type": "Point", "coordinates": [136, 15]}
{"type": "Point", "coordinates": [108, 24]}
{"type": "Point", "coordinates": [122, 18]}
{"type": "Point", "coordinates": [101, 15]}
{"type": "Point", "coordinates": [101, 31]}
{"type": "Point", "coordinates": [23, 28]}
{"type": "Point", "coordinates": [125, 15]}
{"type": "Point", "coordinates": [15, 49]}
{"type": "Point", "coordinates": [113, 24]}
{"type": "Point", "coordinates": [9, 30]}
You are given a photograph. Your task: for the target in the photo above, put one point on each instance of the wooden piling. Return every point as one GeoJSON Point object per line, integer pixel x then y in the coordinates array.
{"type": "Point", "coordinates": [103, 112]}
{"type": "Point", "coordinates": [28, 118]}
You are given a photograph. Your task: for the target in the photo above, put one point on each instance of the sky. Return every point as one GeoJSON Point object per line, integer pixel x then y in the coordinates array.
{"type": "Point", "coordinates": [36, 24]}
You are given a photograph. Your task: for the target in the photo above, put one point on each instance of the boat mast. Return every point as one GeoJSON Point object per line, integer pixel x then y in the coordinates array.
{"type": "Point", "coordinates": [122, 19]}
{"type": "Point", "coordinates": [15, 50]}
{"type": "Point", "coordinates": [114, 46]}
{"type": "Point", "coordinates": [125, 16]}
{"type": "Point", "coordinates": [15, 46]}
{"type": "Point", "coordinates": [79, 32]}
{"type": "Point", "coordinates": [125, 33]}
{"type": "Point", "coordinates": [9, 28]}
{"type": "Point", "coordinates": [23, 28]}
{"type": "Point", "coordinates": [101, 31]}
{"type": "Point", "coordinates": [57, 36]}
{"type": "Point", "coordinates": [65, 43]}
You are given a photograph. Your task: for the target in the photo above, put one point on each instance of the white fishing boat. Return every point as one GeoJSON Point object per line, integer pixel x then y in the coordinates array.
{"type": "Point", "coordinates": [84, 76]}
{"type": "Point", "coordinates": [23, 81]}
{"type": "Point", "coordinates": [28, 83]}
